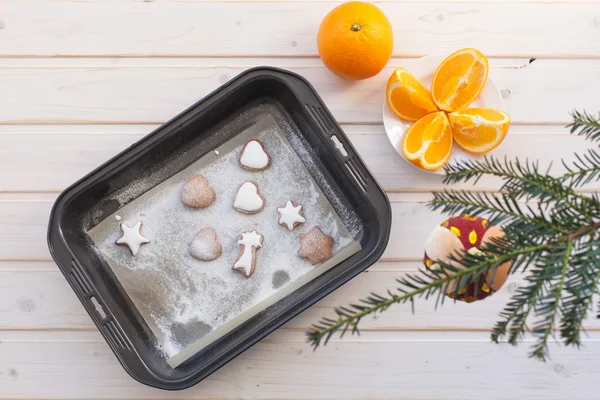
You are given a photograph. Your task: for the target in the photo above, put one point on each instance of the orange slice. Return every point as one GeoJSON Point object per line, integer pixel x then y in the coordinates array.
{"type": "Point", "coordinates": [428, 142]}
{"type": "Point", "coordinates": [479, 130]}
{"type": "Point", "coordinates": [407, 97]}
{"type": "Point", "coordinates": [459, 79]}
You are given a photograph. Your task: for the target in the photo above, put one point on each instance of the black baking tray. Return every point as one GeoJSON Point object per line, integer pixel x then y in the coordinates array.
{"type": "Point", "coordinates": [168, 150]}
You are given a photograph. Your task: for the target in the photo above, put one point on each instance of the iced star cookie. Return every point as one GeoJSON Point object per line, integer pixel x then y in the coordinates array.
{"type": "Point", "coordinates": [291, 215]}
{"type": "Point", "coordinates": [253, 156]}
{"type": "Point", "coordinates": [249, 242]}
{"type": "Point", "coordinates": [205, 246]}
{"type": "Point", "coordinates": [315, 246]}
{"type": "Point", "coordinates": [248, 199]}
{"type": "Point", "coordinates": [197, 193]}
{"type": "Point", "coordinates": [132, 237]}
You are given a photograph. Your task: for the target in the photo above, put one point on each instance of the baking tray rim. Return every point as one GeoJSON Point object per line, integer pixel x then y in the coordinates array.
{"type": "Point", "coordinates": [353, 270]}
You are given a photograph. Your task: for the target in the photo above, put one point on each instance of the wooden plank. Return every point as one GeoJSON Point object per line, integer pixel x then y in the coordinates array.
{"type": "Point", "coordinates": [533, 94]}
{"type": "Point", "coordinates": [379, 1]}
{"type": "Point", "coordinates": [242, 62]}
{"type": "Point", "coordinates": [289, 28]}
{"type": "Point", "coordinates": [58, 365]}
{"type": "Point", "coordinates": [21, 266]}
{"type": "Point", "coordinates": [28, 300]}
{"type": "Point", "coordinates": [32, 300]}
{"type": "Point", "coordinates": [142, 129]}
{"type": "Point", "coordinates": [23, 229]}
{"type": "Point", "coordinates": [51, 162]}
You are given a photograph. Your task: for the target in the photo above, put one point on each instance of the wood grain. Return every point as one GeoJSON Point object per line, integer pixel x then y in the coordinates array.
{"type": "Point", "coordinates": [407, 365]}
{"type": "Point", "coordinates": [23, 229]}
{"type": "Point", "coordinates": [43, 300]}
{"type": "Point", "coordinates": [253, 1]}
{"type": "Point", "coordinates": [136, 29]}
{"type": "Point", "coordinates": [83, 79]}
{"type": "Point", "coordinates": [51, 162]}
{"type": "Point", "coordinates": [533, 94]}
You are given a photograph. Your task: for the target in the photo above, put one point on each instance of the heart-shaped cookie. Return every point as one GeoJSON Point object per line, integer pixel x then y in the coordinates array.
{"type": "Point", "coordinates": [205, 246]}
{"type": "Point", "coordinates": [197, 193]}
{"type": "Point", "coordinates": [254, 157]}
{"type": "Point", "coordinates": [248, 200]}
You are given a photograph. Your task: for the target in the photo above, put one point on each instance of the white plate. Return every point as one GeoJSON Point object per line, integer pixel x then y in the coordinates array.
{"type": "Point", "coordinates": [423, 69]}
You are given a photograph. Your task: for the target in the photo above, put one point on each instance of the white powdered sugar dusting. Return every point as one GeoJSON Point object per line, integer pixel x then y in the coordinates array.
{"type": "Point", "coordinates": [182, 298]}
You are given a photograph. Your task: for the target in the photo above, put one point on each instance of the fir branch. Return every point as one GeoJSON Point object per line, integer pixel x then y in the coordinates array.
{"type": "Point", "coordinates": [498, 208]}
{"type": "Point", "coordinates": [412, 286]}
{"type": "Point", "coordinates": [517, 311]}
{"type": "Point", "coordinates": [580, 287]}
{"type": "Point", "coordinates": [585, 124]}
{"type": "Point", "coordinates": [582, 171]}
{"type": "Point", "coordinates": [555, 233]}
{"type": "Point", "coordinates": [470, 170]}
{"type": "Point", "coordinates": [520, 179]}
{"type": "Point", "coordinates": [523, 180]}
{"type": "Point", "coordinates": [556, 264]}
{"type": "Point", "coordinates": [587, 167]}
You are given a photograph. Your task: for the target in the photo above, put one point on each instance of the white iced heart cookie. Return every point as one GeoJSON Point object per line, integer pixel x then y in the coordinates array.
{"type": "Point", "coordinates": [254, 157]}
{"type": "Point", "coordinates": [291, 215]}
{"type": "Point", "coordinates": [205, 246]}
{"type": "Point", "coordinates": [248, 200]}
{"type": "Point", "coordinates": [249, 242]}
{"type": "Point", "coordinates": [132, 237]}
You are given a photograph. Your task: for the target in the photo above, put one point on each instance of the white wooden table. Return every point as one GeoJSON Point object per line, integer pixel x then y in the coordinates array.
{"type": "Point", "coordinates": [81, 80]}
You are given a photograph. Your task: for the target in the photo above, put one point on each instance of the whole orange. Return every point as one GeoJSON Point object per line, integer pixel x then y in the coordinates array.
{"type": "Point", "coordinates": [355, 40]}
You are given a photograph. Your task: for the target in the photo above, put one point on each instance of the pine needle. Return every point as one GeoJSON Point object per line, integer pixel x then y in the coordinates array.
{"type": "Point", "coordinates": [551, 231]}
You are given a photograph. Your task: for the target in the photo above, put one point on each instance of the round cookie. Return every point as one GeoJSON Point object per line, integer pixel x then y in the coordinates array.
{"type": "Point", "coordinates": [197, 193]}
{"type": "Point", "coordinates": [205, 246]}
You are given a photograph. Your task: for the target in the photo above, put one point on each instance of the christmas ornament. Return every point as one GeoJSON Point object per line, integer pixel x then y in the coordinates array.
{"type": "Point", "coordinates": [465, 233]}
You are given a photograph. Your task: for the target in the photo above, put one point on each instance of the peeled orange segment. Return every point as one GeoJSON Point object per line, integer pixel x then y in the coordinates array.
{"type": "Point", "coordinates": [407, 97]}
{"type": "Point", "coordinates": [428, 142]}
{"type": "Point", "coordinates": [459, 79]}
{"type": "Point", "coordinates": [479, 130]}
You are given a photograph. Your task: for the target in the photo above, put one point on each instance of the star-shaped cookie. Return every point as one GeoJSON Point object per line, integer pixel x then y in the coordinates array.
{"type": "Point", "coordinates": [132, 237]}
{"type": "Point", "coordinates": [315, 246]}
{"type": "Point", "coordinates": [291, 215]}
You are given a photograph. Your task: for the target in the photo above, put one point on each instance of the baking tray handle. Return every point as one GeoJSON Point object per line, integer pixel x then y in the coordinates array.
{"type": "Point", "coordinates": [332, 134]}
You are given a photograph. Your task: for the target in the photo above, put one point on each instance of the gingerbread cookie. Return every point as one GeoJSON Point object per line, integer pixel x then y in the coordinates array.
{"type": "Point", "coordinates": [132, 237]}
{"type": "Point", "coordinates": [291, 215]}
{"type": "Point", "coordinates": [250, 242]}
{"type": "Point", "coordinates": [315, 246]}
{"type": "Point", "coordinates": [248, 200]}
{"type": "Point", "coordinates": [205, 246]}
{"type": "Point", "coordinates": [253, 156]}
{"type": "Point", "coordinates": [197, 193]}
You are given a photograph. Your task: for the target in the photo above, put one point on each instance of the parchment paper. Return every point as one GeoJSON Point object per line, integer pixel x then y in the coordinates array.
{"type": "Point", "coordinates": [189, 303]}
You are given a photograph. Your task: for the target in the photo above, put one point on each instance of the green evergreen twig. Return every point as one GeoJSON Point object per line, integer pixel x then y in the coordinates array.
{"type": "Point", "coordinates": [550, 230]}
